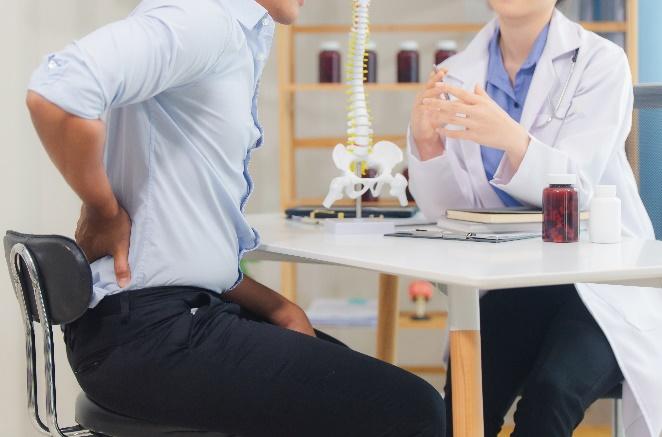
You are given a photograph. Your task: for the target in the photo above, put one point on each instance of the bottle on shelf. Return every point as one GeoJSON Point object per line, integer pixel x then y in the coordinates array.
{"type": "Point", "coordinates": [330, 64]}
{"type": "Point", "coordinates": [367, 196]}
{"type": "Point", "coordinates": [371, 63]}
{"type": "Point", "coordinates": [408, 62]}
{"type": "Point", "coordinates": [445, 49]}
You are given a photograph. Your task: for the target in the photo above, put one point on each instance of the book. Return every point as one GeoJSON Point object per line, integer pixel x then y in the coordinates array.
{"type": "Point", "coordinates": [343, 312]}
{"type": "Point", "coordinates": [495, 228]}
{"type": "Point", "coordinates": [474, 227]}
{"type": "Point", "coordinates": [501, 215]}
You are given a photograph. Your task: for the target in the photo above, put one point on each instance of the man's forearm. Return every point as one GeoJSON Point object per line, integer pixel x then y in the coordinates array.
{"type": "Point", "coordinates": [75, 145]}
{"type": "Point", "coordinates": [260, 300]}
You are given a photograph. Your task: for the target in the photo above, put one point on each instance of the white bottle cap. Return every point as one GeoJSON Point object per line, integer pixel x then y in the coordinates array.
{"type": "Point", "coordinates": [409, 45]}
{"type": "Point", "coordinates": [562, 179]}
{"type": "Point", "coordinates": [447, 44]}
{"type": "Point", "coordinates": [605, 191]}
{"type": "Point", "coordinates": [330, 46]}
{"type": "Point", "coordinates": [371, 46]}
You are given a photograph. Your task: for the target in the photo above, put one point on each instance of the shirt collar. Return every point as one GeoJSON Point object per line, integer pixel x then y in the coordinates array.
{"type": "Point", "coordinates": [496, 70]}
{"type": "Point", "coordinates": [247, 12]}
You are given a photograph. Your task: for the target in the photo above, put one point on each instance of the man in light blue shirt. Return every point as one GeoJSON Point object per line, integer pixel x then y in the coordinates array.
{"type": "Point", "coordinates": [152, 121]}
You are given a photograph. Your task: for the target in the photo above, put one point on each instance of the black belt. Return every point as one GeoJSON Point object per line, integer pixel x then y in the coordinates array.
{"type": "Point", "coordinates": [122, 303]}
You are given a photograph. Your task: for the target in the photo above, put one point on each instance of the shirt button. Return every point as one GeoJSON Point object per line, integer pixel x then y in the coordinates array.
{"type": "Point", "coordinates": [516, 105]}
{"type": "Point", "coordinates": [266, 22]}
{"type": "Point", "coordinates": [52, 64]}
{"type": "Point", "coordinates": [261, 57]}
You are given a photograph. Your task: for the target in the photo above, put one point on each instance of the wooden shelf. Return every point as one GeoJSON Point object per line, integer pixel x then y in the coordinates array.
{"type": "Point", "coordinates": [596, 26]}
{"type": "Point", "coordinates": [327, 142]}
{"type": "Point", "coordinates": [437, 320]}
{"type": "Point", "coordinates": [433, 370]}
{"type": "Point", "coordinates": [337, 87]}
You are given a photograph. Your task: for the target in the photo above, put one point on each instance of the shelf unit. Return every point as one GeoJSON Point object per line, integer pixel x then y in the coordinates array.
{"type": "Point", "coordinates": [289, 88]}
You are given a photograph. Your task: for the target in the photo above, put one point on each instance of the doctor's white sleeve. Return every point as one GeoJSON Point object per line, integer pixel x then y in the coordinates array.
{"type": "Point", "coordinates": [595, 130]}
{"type": "Point", "coordinates": [439, 183]}
{"type": "Point", "coordinates": [134, 59]}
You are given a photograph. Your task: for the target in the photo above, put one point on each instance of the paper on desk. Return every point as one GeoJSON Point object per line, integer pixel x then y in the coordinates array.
{"type": "Point", "coordinates": [343, 312]}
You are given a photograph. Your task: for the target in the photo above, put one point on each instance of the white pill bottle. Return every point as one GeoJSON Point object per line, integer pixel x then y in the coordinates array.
{"type": "Point", "coordinates": [605, 215]}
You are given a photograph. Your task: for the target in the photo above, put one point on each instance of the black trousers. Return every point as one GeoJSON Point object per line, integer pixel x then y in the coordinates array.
{"type": "Point", "coordinates": [183, 356]}
{"type": "Point", "coordinates": [544, 345]}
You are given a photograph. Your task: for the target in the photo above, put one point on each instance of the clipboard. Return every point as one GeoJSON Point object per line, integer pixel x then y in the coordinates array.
{"type": "Point", "coordinates": [470, 236]}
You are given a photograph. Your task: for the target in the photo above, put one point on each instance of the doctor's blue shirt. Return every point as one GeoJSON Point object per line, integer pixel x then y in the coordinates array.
{"type": "Point", "coordinates": [176, 83]}
{"type": "Point", "coordinates": [510, 97]}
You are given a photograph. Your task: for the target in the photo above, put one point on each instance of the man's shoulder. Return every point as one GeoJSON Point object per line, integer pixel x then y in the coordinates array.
{"type": "Point", "coordinates": [183, 9]}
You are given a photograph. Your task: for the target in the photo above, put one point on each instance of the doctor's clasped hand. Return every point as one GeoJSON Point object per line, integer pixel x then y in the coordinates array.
{"type": "Point", "coordinates": [481, 120]}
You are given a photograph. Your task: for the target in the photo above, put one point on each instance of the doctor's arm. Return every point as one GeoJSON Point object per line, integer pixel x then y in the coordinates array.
{"type": "Point", "coordinates": [438, 178]}
{"type": "Point", "coordinates": [594, 130]}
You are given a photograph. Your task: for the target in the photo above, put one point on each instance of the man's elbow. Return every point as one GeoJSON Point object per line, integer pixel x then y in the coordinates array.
{"type": "Point", "coordinates": [35, 103]}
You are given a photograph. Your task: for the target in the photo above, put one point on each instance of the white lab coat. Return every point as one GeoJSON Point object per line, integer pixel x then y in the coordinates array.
{"type": "Point", "coordinates": [590, 143]}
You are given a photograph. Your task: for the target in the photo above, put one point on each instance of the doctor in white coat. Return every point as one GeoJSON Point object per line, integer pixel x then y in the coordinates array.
{"type": "Point", "coordinates": [561, 348]}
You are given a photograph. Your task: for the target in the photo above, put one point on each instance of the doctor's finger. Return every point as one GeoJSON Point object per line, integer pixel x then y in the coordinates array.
{"type": "Point", "coordinates": [455, 106]}
{"type": "Point", "coordinates": [436, 76]}
{"type": "Point", "coordinates": [464, 95]}
{"type": "Point", "coordinates": [433, 93]}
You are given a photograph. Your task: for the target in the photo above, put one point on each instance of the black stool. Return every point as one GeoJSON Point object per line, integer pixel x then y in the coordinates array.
{"type": "Point", "coordinates": [53, 284]}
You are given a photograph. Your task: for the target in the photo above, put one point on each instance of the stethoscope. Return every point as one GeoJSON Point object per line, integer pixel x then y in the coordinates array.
{"type": "Point", "coordinates": [555, 108]}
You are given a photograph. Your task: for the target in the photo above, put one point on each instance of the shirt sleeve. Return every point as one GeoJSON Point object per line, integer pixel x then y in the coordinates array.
{"type": "Point", "coordinates": [134, 59]}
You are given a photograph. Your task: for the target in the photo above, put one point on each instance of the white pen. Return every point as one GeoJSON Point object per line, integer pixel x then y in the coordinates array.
{"type": "Point", "coordinates": [437, 68]}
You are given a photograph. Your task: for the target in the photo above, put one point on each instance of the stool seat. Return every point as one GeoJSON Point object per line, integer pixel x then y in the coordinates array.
{"type": "Point", "coordinates": [107, 423]}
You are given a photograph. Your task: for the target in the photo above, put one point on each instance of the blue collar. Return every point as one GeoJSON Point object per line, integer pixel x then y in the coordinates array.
{"type": "Point", "coordinates": [496, 71]}
{"type": "Point", "coordinates": [247, 12]}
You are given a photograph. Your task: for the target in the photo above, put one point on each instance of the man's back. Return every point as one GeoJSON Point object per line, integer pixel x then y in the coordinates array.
{"type": "Point", "coordinates": [177, 82]}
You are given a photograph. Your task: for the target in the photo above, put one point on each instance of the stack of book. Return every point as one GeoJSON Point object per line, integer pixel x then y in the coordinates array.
{"type": "Point", "coordinates": [499, 220]}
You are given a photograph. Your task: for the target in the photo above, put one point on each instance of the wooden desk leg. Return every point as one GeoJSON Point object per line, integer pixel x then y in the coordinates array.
{"type": "Point", "coordinates": [467, 381]}
{"type": "Point", "coordinates": [288, 281]}
{"type": "Point", "coordinates": [387, 317]}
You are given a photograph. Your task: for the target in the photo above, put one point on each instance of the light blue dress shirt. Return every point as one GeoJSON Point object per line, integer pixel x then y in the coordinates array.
{"type": "Point", "coordinates": [177, 84]}
{"type": "Point", "coordinates": [509, 97]}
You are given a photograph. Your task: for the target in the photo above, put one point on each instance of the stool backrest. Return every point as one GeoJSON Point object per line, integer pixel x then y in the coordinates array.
{"type": "Point", "coordinates": [53, 285]}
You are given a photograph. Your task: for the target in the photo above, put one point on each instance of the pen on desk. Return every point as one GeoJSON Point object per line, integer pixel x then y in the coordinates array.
{"type": "Point", "coordinates": [437, 68]}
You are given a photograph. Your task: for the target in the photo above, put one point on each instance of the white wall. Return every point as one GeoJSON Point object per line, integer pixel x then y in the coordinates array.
{"type": "Point", "coordinates": [33, 197]}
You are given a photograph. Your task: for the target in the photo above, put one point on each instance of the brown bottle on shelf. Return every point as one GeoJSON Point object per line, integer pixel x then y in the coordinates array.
{"type": "Point", "coordinates": [367, 196]}
{"type": "Point", "coordinates": [408, 62]}
{"type": "Point", "coordinates": [330, 64]}
{"type": "Point", "coordinates": [445, 49]}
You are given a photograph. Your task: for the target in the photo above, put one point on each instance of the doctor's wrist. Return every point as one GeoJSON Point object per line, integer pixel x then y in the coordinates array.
{"type": "Point", "coordinates": [518, 145]}
{"type": "Point", "coordinates": [429, 149]}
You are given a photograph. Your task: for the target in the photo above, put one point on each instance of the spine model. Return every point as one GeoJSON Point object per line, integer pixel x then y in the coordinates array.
{"type": "Point", "coordinates": [360, 153]}
{"type": "Point", "coordinates": [359, 132]}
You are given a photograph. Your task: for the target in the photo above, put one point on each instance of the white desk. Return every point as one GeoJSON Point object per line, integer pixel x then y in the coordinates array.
{"type": "Point", "coordinates": [465, 268]}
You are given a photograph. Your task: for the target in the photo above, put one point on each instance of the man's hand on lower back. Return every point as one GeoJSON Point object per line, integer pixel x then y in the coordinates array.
{"type": "Point", "coordinates": [106, 233]}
